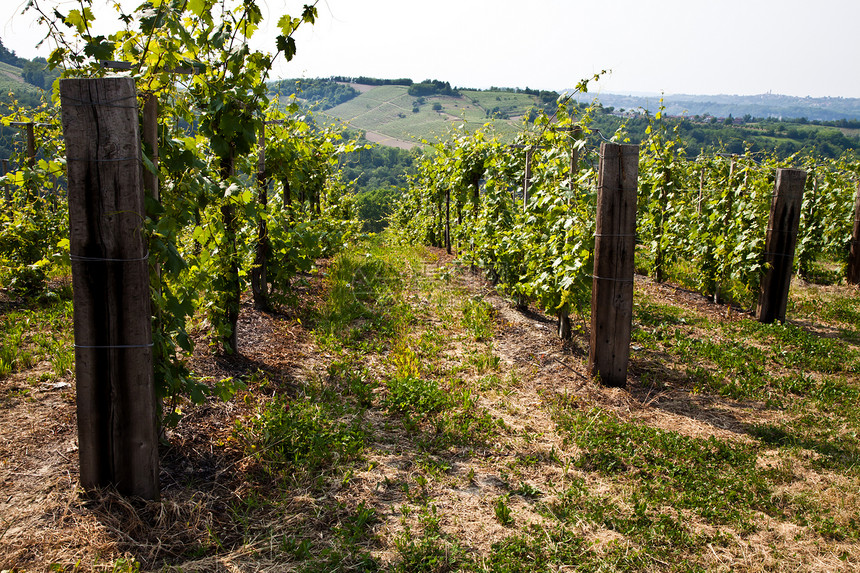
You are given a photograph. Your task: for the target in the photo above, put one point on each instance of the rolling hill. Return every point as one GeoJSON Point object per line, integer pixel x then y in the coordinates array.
{"type": "Point", "coordinates": [390, 116]}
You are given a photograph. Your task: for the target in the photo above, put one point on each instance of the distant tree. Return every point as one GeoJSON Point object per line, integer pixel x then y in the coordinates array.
{"type": "Point", "coordinates": [326, 93]}
{"type": "Point", "coordinates": [375, 206]}
{"type": "Point", "coordinates": [432, 87]}
{"type": "Point", "coordinates": [9, 57]}
{"type": "Point", "coordinates": [35, 72]}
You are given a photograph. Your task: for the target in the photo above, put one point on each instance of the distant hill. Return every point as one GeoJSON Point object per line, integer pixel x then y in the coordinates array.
{"type": "Point", "coordinates": [756, 106]}
{"type": "Point", "coordinates": [389, 114]}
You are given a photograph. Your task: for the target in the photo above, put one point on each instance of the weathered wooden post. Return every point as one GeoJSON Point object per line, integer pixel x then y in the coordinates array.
{"type": "Point", "coordinates": [565, 331]}
{"type": "Point", "coordinates": [727, 221]}
{"type": "Point", "coordinates": [779, 247]}
{"type": "Point", "coordinates": [853, 270]}
{"type": "Point", "coordinates": [659, 256]}
{"type": "Point", "coordinates": [701, 191]}
{"type": "Point", "coordinates": [259, 277]}
{"type": "Point", "coordinates": [448, 220]}
{"type": "Point", "coordinates": [30, 160]}
{"type": "Point", "coordinates": [7, 189]}
{"type": "Point", "coordinates": [150, 138]}
{"type": "Point", "coordinates": [527, 178]}
{"type": "Point", "coordinates": [233, 299]}
{"type": "Point", "coordinates": [31, 144]}
{"type": "Point", "coordinates": [614, 247]}
{"type": "Point", "coordinates": [113, 340]}
{"type": "Point", "coordinates": [150, 177]}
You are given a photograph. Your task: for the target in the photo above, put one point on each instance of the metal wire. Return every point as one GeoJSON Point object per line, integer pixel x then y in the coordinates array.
{"type": "Point", "coordinates": [82, 259]}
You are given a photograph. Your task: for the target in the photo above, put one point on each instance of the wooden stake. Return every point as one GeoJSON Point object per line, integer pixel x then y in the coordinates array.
{"type": "Point", "coordinates": [659, 256]}
{"type": "Point", "coordinates": [31, 144]}
{"type": "Point", "coordinates": [853, 270]}
{"type": "Point", "coordinates": [804, 266]}
{"type": "Point", "coordinates": [150, 138]}
{"type": "Point", "coordinates": [287, 198]}
{"type": "Point", "coordinates": [259, 277]}
{"type": "Point", "coordinates": [233, 301]}
{"type": "Point", "coordinates": [612, 287]}
{"type": "Point", "coordinates": [527, 179]}
{"type": "Point", "coordinates": [448, 220]}
{"type": "Point", "coordinates": [701, 191]}
{"type": "Point", "coordinates": [779, 247]}
{"type": "Point", "coordinates": [727, 219]}
{"type": "Point", "coordinates": [150, 178]}
{"type": "Point", "coordinates": [565, 332]}
{"type": "Point", "coordinates": [6, 187]}
{"type": "Point", "coordinates": [116, 401]}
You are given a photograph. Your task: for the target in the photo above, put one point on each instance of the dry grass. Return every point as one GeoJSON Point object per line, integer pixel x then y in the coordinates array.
{"type": "Point", "coordinates": [223, 509]}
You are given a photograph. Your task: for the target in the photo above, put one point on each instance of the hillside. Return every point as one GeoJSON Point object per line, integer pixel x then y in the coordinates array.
{"type": "Point", "coordinates": [390, 116]}
{"type": "Point", "coordinates": [761, 106]}
{"type": "Point", "coordinates": [12, 81]}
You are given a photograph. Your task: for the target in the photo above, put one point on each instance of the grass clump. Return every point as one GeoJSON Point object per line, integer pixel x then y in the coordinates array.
{"type": "Point", "coordinates": [43, 332]}
{"type": "Point", "coordinates": [478, 318]}
{"type": "Point", "coordinates": [716, 479]}
{"type": "Point", "coordinates": [415, 396]}
{"type": "Point", "coordinates": [365, 305]}
{"type": "Point", "coordinates": [430, 550]}
{"type": "Point", "coordinates": [300, 434]}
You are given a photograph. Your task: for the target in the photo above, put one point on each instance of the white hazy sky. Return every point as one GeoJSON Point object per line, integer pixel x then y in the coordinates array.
{"type": "Point", "coordinates": [792, 47]}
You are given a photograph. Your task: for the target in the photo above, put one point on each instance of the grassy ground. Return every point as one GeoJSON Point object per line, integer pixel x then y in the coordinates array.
{"type": "Point", "coordinates": [405, 418]}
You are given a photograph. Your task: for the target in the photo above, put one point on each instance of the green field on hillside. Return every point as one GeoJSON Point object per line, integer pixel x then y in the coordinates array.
{"type": "Point", "coordinates": [390, 110]}
{"type": "Point", "coordinates": [11, 80]}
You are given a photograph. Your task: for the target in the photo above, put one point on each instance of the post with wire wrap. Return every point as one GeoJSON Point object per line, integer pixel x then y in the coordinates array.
{"type": "Point", "coordinates": [116, 401]}
{"type": "Point", "coordinates": [782, 228]}
{"type": "Point", "coordinates": [614, 248]}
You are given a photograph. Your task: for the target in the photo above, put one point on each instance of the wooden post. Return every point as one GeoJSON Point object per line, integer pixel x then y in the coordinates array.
{"type": "Point", "coordinates": [31, 144]}
{"type": "Point", "coordinates": [659, 256]}
{"type": "Point", "coordinates": [527, 179]}
{"type": "Point", "coordinates": [564, 329]}
{"type": "Point", "coordinates": [7, 190]}
{"type": "Point", "coordinates": [116, 401]}
{"type": "Point", "coordinates": [441, 237]}
{"type": "Point", "coordinates": [233, 300]}
{"type": "Point", "coordinates": [779, 247]}
{"type": "Point", "coordinates": [804, 264]}
{"type": "Point", "coordinates": [701, 191]}
{"type": "Point", "coordinates": [853, 270]}
{"type": "Point", "coordinates": [727, 219]}
{"type": "Point", "coordinates": [259, 278]}
{"type": "Point", "coordinates": [287, 197]}
{"type": "Point", "coordinates": [614, 247]}
{"type": "Point", "coordinates": [150, 138]}
{"type": "Point", "coordinates": [150, 178]}
{"type": "Point", "coordinates": [476, 196]}
{"type": "Point", "coordinates": [448, 220]}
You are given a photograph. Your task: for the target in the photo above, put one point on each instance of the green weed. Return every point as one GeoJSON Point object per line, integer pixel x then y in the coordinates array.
{"type": "Point", "coordinates": [503, 511]}
{"type": "Point", "coordinates": [717, 479]}
{"type": "Point", "coordinates": [413, 396]}
{"type": "Point", "coordinates": [431, 551]}
{"type": "Point", "coordinates": [365, 305]}
{"type": "Point", "coordinates": [299, 433]}
{"type": "Point", "coordinates": [485, 361]}
{"type": "Point", "coordinates": [478, 318]}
